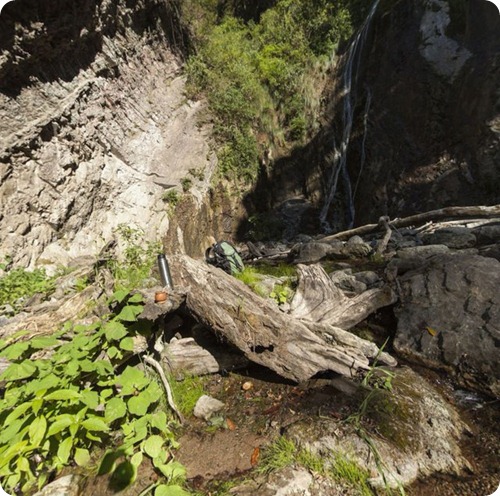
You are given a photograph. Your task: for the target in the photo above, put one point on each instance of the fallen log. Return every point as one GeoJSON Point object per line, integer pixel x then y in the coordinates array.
{"type": "Point", "coordinates": [417, 219]}
{"type": "Point", "coordinates": [317, 299]}
{"type": "Point", "coordinates": [295, 349]}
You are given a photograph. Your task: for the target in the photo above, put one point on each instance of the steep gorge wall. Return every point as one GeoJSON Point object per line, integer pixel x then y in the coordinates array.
{"type": "Point", "coordinates": [426, 102]}
{"type": "Point", "coordinates": [94, 125]}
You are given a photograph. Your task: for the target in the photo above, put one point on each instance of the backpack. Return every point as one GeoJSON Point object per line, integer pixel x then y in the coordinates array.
{"type": "Point", "coordinates": [225, 256]}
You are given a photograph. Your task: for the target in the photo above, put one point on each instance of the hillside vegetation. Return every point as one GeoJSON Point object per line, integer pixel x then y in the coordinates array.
{"type": "Point", "coordinates": [260, 70]}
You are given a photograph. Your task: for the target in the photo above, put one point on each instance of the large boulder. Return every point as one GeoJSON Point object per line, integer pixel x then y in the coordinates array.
{"type": "Point", "coordinates": [449, 317]}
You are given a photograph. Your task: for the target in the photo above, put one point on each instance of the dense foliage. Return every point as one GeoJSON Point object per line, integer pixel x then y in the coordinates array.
{"type": "Point", "coordinates": [260, 75]}
{"type": "Point", "coordinates": [70, 393]}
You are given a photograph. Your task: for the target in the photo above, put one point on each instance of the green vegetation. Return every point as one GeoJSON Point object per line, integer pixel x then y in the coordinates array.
{"type": "Point", "coordinates": [285, 452]}
{"type": "Point", "coordinates": [260, 76]}
{"type": "Point", "coordinates": [80, 395]}
{"type": "Point", "coordinates": [252, 279]}
{"type": "Point", "coordinates": [171, 196]}
{"type": "Point", "coordinates": [139, 257]}
{"type": "Point", "coordinates": [186, 393]}
{"type": "Point", "coordinates": [19, 284]}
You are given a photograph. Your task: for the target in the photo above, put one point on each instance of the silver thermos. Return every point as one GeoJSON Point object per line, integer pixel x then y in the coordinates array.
{"type": "Point", "coordinates": [165, 276]}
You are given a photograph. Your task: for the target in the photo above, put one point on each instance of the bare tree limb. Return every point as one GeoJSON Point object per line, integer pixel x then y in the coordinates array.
{"type": "Point", "coordinates": [440, 214]}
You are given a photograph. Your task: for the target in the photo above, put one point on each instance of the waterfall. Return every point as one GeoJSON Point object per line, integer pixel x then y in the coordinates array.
{"type": "Point", "coordinates": [339, 165]}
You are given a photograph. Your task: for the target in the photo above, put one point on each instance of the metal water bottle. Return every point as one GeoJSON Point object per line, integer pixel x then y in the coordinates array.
{"type": "Point", "coordinates": [164, 269]}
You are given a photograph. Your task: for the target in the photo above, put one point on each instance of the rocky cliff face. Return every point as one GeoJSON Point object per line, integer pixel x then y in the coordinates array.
{"type": "Point", "coordinates": [94, 125]}
{"type": "Point", "coordinates": [425, 109]}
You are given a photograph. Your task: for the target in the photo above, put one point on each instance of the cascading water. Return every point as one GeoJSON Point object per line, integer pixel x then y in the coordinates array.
{"type": "Point", "coordinates": [340, 154]}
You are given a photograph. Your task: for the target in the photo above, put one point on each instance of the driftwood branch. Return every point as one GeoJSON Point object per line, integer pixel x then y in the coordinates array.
{"type": "Point", "coordinates": [413, 220]}
{"type": "Point", "coordinates": [294, 348]}
{"type": "Point", "coordinates": [153, 363]}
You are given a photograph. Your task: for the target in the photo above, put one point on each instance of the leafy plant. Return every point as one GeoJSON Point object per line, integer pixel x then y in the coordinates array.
{"type": "Point", "coordinates": [19, 284]}
{"type": "Point", "coordinates": [281, 293]}
{"type": "Point", "coordinates": [77, 396]}
{"type": "Point", "coordinates": [171, 196]}
{"type": "Point", "coordinates": [251, 278]}
{"type": "Point", "coordinates": [186, 183]}
{"type": "Point", "coordinates": [139, 257]}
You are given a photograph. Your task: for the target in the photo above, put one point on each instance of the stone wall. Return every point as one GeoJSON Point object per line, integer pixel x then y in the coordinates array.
{"type": "Point", "coordinates": [94, 125]}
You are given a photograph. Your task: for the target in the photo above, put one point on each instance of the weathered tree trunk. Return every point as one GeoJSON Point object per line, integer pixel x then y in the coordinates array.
{"type": "Point", "coordinates": [319, 300]}
{"type": "Point", "coordinates": [295, 349]}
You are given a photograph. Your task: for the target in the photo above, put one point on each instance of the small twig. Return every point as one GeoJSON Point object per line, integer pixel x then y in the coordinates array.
{"type": "Point", "coordinates": [153, 363]}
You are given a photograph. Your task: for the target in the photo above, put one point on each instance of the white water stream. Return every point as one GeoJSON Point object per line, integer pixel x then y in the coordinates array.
{"type": "Point", "coordinates": [339, 165]}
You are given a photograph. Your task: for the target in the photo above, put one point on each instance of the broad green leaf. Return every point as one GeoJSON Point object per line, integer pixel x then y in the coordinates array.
{"type": "Point", "coordinates": [95, 424]}
{"type": "Point", "coordinates": [63, 394]}
{"type": "Point", "coordinates": [127, 344]}
{"type": "Point", "coordinates": [113, 352]}
{"type": "Point", "coordinates": [159, 420]}
{"type": "Point", "coordinates": [38, 402]}
{"type": "Point", "coordinates": [136, 460]}
{"type": "Point", "coordinates": [136, 298]}
{"type": "Point", "coordinates": [14, 351]}
{"type": "Point", "coordinates": [153, 446]}
{"type": "Point", "coordinates": [137, 406]}
{"type": "Point", "coordinates": [106, 393]}
{"type": "Point", "coordinates": [152, 393]}
{"type": "Point", "coordinates": [119, 295]}
{"type": "Point", "coordinates": [91, 436]}
{"type": "Point", "coordinates": [114, 330]}
{"type": "Point", "coordinates": [18, 371]}
{"type": "Point", "coordinates": [115, 409]}
{"type": "Point", "coordinates": [43, 342]}
{"type": "Point", "coordinates": [103, 367]}
{"type": "Point", "coordinates": [37, 430]}
{"type": "Point", "coordinates": [87, 365]}
{"type": "Point", "coordinates": [161, 459]}
{"type": "Point", "coordinates": [3, 344]}
{"type": "Point", "coordinates": [90, 398]}
{"type": "Point", "coordinates": [18, 412]}
{"type": "Point", "coordinates": [23, 464]}
{"type": "Point", "coordinates": [72, 368]}
{"type": "Point", "coordinates": [48, 382]}
{"type": "Point", "coordinates": [129, 313]}
{"type": "Point", "coordinates": [10, 431]}
{"type": "Point", "coordinates": [64, 450]}
{"type": "Point", "coordinates": [175, 490]}
{"type": "Point", "coordinates": [173, 470]}
{"type": "Point", "coordinates": [60, 424]}
{"type": "Point", "coordinates": [82, 457]}
{"type": "Point", "coordinates": [131, 379]}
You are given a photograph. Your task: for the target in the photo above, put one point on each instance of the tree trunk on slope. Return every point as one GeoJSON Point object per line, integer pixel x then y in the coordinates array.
{"type": "Point", "coordinates": [295, 349]}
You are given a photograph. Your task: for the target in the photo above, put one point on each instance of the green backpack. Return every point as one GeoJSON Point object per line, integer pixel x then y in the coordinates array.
{"type": "Point", "coordinates": [225, 256]}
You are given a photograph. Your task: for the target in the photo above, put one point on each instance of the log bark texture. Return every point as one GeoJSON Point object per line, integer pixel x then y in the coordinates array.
{"type": "Point", "coordinates": [295, 349]}
{"type": "Point", "coordinates": [317, 299]}
{"type": "Point", "coordinates": [186, 356]}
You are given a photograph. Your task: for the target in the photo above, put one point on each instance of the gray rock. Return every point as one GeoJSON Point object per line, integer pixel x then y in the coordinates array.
{"type": "Point", "coordinates": [417, 434]}
{"type": "Point", "coordinates": [492, 251]}
{"type": "Point", "coordinates": [452, 237]}
{"type": "Point", "coordinates": [487, 234]}
{"type": "Point", "coordinates": [449, 316]}
{"type": "Point", "coordinates": [206, 407]}
{"type": "Point", "coordinates": [64, 486]}
{"type": "Point", "coordinates": [421, 251]}
{"type": "Point", "coordinates": [346, 281]}
{"type": "Point", "coordinates": [367, 277]}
